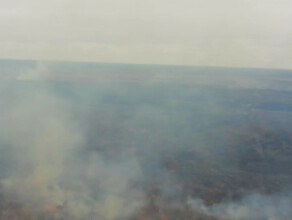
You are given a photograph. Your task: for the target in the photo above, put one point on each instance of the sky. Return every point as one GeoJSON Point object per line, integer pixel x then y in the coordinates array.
{"type": "Point", "coordinates": [240, 33]}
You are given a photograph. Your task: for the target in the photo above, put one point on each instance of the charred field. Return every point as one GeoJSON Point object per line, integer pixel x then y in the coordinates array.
{"type": "Point", "coordinates": [144, 142]}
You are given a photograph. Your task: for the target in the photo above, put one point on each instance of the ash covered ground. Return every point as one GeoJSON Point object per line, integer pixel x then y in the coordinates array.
{"type": "Point", "coordinates": [137, 142]}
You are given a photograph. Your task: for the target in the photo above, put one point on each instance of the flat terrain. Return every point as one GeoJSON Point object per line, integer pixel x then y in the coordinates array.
{"type": "Point", "coordinates": [150, 142]}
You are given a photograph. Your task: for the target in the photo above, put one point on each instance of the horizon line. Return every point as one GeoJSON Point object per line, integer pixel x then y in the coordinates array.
{"type": "Point", "coordinates": [142, 64]}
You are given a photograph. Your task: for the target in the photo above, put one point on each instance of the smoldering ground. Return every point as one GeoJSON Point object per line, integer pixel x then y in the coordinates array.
{"type": "Point", "coordinates": [117, 146]}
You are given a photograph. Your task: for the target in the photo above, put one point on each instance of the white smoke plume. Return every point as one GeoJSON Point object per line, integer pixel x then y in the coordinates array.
{"type": "Point", "coordinates": [43, 143]}
{"type": "Point", "coordinates": [253, 206]}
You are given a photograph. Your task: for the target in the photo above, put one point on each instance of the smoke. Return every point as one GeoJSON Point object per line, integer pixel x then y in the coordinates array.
{"type": "Point", "coordinates": [253, 206]}
{"type": "Point", "coordinates": [35, 73]}
{"type": "Point", "coordinates": [108, 142]}
{"type": "Point", "coordinates": [44, 161]}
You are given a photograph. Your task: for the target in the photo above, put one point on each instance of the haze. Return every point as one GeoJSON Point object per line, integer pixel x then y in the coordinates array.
{"type": "Point", "coordinates": [209, 33]}
{"type": "Point", "coordinates": [138, 142]}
